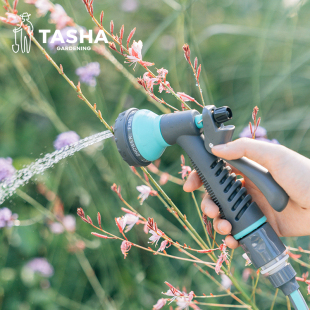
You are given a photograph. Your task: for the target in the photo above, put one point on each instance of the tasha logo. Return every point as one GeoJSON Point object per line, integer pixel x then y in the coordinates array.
{"type": "Point", "coordinates": [22, 41]}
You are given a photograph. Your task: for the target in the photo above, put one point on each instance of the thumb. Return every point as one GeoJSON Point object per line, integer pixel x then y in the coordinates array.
{"type": "Point", "coordinates": [267, 154]}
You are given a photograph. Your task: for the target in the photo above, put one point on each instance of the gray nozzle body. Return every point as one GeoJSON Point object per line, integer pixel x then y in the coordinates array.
{"type": "Point", "coordinates": [175, 125]}
{"type": "Point", "coordinates": [225, 190]}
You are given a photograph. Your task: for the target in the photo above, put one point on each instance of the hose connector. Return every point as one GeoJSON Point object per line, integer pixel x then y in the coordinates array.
{"type": "Point", "coordinates": [266, 251]}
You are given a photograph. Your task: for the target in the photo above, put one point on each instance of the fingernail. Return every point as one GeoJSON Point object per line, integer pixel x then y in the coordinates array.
{"type": "Point", "coordinates": [220, 227]}
{"type": "Point", "coordinates": [219, 147]}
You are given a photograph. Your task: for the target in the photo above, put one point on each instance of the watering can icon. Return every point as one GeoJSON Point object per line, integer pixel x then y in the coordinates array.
{"type": "Point", "coordinates": [25, 41]}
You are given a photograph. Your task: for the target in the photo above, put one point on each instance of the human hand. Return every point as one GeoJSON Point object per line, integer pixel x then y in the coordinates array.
{"type": "Point", "coordinates": [288, 168]}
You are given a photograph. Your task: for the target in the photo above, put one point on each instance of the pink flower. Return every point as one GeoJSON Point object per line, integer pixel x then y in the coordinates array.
{"type": "Point", "coordinates": [149, 81]}
{"type": "Point", "coordinates": [125, 247]}
{"type": "Point", "coordinates": [164, 178]}
{"type": "Point", "coordinates": [145, 191]}
{"type": "Point", "coordinates": [66, 223]}
{"type": "Point", "coordinates": [226, 282]}
{"type": "Point", "coordinates": [160, 303]}
{"type": "Point", "coordinates": [173, 291]}
{"type": "Point", "coordinates": [120, 222]}
{"type": "Point", "coordinates": [194, 306]}
{"type": "Point", "coordinates": [11, 19]}
{"type": "Point", "coordinates": [170, 293]}
{"type": "Point", "coordinates": [182, 299]}
{"type": "Point", "coordinates": [186, 170]}
{"type": "Point", "coordinates": [183, 302]}
{"type": "Point", "coordinates": [128, 211]}
{"type": "Point", "coordinates": [129, 5]}
{"type": "Point", "coordinates": [152, 168]}
{"type": "Point", "coordinates": [185, 97]}
{"type": "Point", "coordinates": [43, 6]}
{"type": "Point", "coordinates": [182, 160]}
{"type": "Point", "coordinates": [247, 259]}
{"type": "Point", "coordinates": [145, 228]}
{"type": "Point", "coordinates": [56, 228]}
{"type": "Point", "coordinates": [160, 79]}
{"type": "Point", "coordinates": [219, 264]}
{"type": "Point", "coordinates": [135, 50]}
{"type": "Point", "coordinates": [155, 237]}
{"type": "Point", "coordinates": [293, 256]}
{"type": "Point", "coordinates": [128, 220]}
{"type": "Point", "coordinates": [153, 229]}
{"type": "Point", "coordinates": [162, 73]}
{"type": "Point", "coordinates": [186, 301]}
{"type": "Point", "coordinates": [60, 17]}
{"type": "Point", "coordinates": [102, 236]}
{"type": "Point", "coordinates": [222, 258]}
{"type": "Point", "coordinates": [135, 54]}
{"type": "Point", "coordinates": [165, 244]}
{"type": "Point", "coordinates": [246, 273]}
{"type": "Point", "coordinates": [69, 223]}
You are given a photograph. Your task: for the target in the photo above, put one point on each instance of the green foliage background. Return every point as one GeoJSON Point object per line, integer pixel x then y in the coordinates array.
{"type": "Point", "coordinates": [252, 53]}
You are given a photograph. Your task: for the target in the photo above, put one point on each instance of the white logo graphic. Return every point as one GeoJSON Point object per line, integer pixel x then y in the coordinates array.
{"type": "Point", "coordinates": [25, 41]}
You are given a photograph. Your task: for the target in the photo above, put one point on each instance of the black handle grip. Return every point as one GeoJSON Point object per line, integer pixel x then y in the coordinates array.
{"type": "Point", "coordinates": [261, 177]}
{"type": "Point", "coordinates": [232, 199]}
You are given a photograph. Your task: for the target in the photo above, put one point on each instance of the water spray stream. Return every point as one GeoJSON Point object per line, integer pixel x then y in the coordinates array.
{"type": "Point", "coordinates": [22, 176]}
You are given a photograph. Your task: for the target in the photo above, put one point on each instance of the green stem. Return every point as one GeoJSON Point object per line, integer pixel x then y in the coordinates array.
{"type": "Point", "coordinates": [36, 205]}
{"type": "Point", "coordinates": [206, 273]}
{"type": "Point", "coordinates": [231, 257]}
{"type": "Point", "coordinates": [175, 208]}
{"type": "Point", "coordinates": [274, 299]}
{"type": "Point", "coordinates": [254, 288]}
{"type": "Point", "coordinates": [93, 280]}
{"type": "Point", "coordinates": [201, 219]}
{"type": "Point", "coordinates": [238, 287]}
{"type": "Point", "coordinates": [288, 303]}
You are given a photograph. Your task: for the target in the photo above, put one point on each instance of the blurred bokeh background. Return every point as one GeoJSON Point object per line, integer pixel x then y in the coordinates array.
{"type": "Point", "coordinates": [252, 53]}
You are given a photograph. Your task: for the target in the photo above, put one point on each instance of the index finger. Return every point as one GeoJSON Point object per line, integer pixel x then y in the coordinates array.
{"type": "Point", "coordinates": [193, 182]}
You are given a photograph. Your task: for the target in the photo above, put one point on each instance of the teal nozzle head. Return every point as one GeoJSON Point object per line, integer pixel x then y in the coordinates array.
{"type": "Point", "coordinates": [138, 137]}
{"type": "Point", "coordinates": [142, 136]}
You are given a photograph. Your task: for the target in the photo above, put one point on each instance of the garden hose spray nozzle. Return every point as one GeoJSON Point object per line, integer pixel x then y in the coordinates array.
{"type": "Point", "coordinates": [142, 136]}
